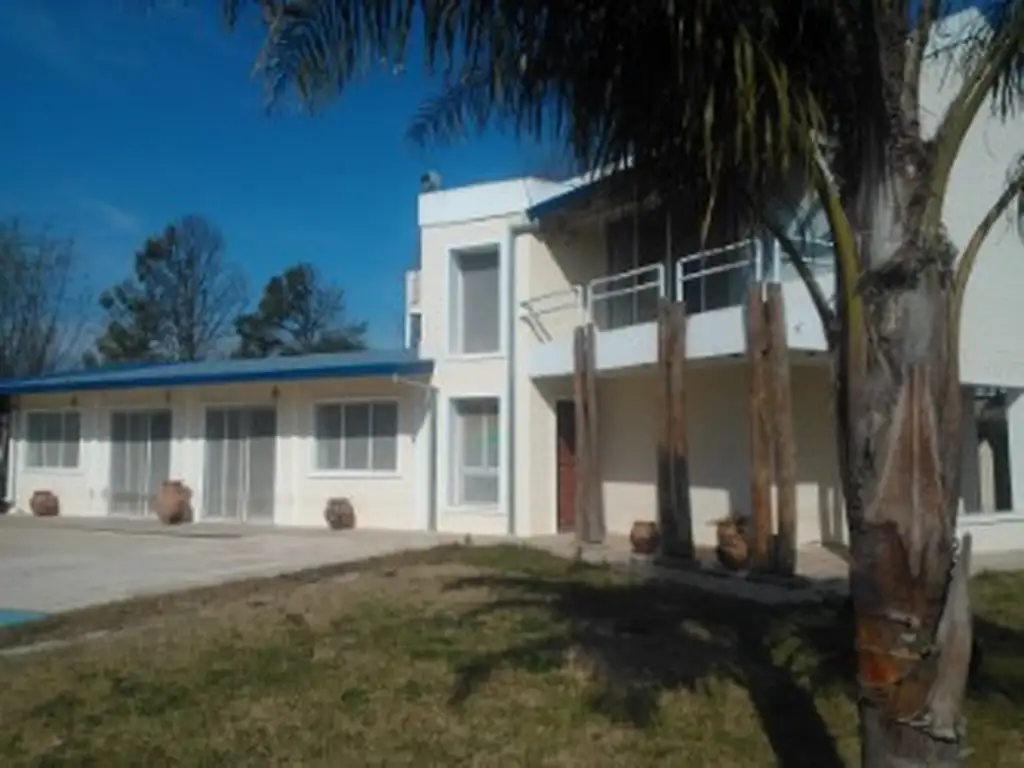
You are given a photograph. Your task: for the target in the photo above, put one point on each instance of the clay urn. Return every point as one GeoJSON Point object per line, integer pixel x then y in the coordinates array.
{"type": "Point", "coordinates": [733, 550]}
{"type": "Point", "coordinates": [44, 504]}
{"type": "Point", "coordinates": [173, 503]}
{"type": "Point", "coordinates": [645, 537]}
{"type": "Point", "coordinates": [340, 514]}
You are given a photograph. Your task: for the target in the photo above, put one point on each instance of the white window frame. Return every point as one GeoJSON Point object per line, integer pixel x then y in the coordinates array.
{"type": "Point", "coordinates": [453, 301]}
{"type": "Point", "coordinates": [456, 443]}
{"type": "Point", "coordinates": [317, 471]}
{"type": "Point", "coordinates": [27, 443]}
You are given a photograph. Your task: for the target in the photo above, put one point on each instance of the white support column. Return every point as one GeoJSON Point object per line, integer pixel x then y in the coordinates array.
{"type": "Point", "coordinates": [294, 410]}
{"type": "Point", "coordinates": [508, 306]}
{"type": "Point", "coordinates": [96, 452]}
{"type": "Point", "coordinates": [14, 453]}
{"type": "Point", "coordinates": [423, 419]}
{"type": "Point", "coordinates": [193, 445]}
{"type": "Point", "coordinates": [180, 456]}
{"type": "Point", "coordinates": [1015, 440]}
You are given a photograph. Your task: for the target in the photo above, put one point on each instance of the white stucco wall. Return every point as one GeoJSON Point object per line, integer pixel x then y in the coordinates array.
{"type": "Point", "coordinates": [386, 500]}
{"type": "Point", "coordinates": [458, 376]}
{"type": "Point", "coordinates": [991, 352]}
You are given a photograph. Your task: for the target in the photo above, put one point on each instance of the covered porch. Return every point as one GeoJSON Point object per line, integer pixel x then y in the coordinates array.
{"type": "Point", "coordinates": [719, 453]}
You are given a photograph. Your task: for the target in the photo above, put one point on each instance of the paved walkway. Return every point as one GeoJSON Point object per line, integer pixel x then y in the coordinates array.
{"type": "Point", "coordinates": [57, 565]}
{"type": "Point", "coordinates": [824, 570]}
{"type": "Point", "coordinates": [50, 566]}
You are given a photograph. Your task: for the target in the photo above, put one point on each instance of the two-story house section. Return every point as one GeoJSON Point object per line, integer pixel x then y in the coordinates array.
{"type": "Point", "coordinates": [510, 269]}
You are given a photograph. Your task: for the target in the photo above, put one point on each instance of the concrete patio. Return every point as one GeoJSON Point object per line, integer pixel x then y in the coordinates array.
{"type": "Point", "coordinates": [51, 566]}
{"type": "Point", "coordinates": [54, 565]}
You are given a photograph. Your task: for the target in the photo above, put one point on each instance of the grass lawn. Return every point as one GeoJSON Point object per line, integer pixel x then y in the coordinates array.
{"type": "Point", "coordinates": [465, 656]}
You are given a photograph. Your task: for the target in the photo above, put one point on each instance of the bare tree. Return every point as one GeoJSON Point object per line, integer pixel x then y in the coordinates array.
{"type": "Point", "coordinates": [38, 326]}
{"type": "Point", "coordinates": [181, 303]}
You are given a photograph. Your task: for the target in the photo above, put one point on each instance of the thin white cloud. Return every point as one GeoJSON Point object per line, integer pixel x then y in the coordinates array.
{"type": "Point", "coordinates": [113, 216]}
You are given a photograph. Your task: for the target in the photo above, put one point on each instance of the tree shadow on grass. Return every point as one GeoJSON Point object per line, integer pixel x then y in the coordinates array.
{"type": "Point", "coordinates": [631, 642]}
{"type": "Point", "coordinates": [636, 640]}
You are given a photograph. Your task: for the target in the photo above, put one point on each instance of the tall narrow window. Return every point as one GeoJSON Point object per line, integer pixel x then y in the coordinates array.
{"type": "Point", "coordinates": [414, 332]}
{"type": "Point", "coordinates": [476, 448]}
{"type": "Point", "coordinates": [476, 302]}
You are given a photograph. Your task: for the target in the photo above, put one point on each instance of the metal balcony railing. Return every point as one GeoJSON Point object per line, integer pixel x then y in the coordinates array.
{"type": "Point", "coordinates": [707, 280]}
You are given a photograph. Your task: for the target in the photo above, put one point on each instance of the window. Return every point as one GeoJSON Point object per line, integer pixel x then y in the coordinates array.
{"type": "Point", "coordinates": [357, 437]}
{"type": "Point", "coordinates": [476, 302]}
{"type": "Point", "coordinates": [415, 330]}
{"type": "Point", "coordinates": [52, 439]}
{"type": "Point", "coordinates": [475, 443]}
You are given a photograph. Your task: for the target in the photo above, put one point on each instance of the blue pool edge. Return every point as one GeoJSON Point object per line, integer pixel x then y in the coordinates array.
{"type": "Point", "coordinates": [10, 617]}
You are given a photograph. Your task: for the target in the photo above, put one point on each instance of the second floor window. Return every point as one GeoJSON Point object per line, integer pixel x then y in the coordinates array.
{"type": "Point", "coordinates": [475, 302]}
{"type": "Point", "coordinates": [415, 331]}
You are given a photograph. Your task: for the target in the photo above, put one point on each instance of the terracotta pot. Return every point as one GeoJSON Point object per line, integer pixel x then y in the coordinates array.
{"type": "Point", "coordinates": [733, 551]}
{"type": "Point", "coordinates": [174, 503]}
{"type": "Point", "coordinates": [44, 504]}
{"type": "Point", "coordinates": [340, 515]}
{"type": "Point", "coordinates": [645, 537]}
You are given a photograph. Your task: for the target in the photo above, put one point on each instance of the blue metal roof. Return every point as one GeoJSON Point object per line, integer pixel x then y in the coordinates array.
{"type": "Point", "coordinates": [342, 365]}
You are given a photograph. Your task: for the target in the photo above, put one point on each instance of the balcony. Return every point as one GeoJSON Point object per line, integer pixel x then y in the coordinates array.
{"type": "Point", "coordinates": [713, 283]}
{"type": "Point", "coordinates": [412, 290]}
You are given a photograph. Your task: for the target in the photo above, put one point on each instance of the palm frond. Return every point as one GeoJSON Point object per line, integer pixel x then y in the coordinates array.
{"type": "Point", "coordinates": [1007, 20]}
{"type": "Point", "coordinates": [708, 96]}
{"type": "Point", "coordinates": [741, 84]}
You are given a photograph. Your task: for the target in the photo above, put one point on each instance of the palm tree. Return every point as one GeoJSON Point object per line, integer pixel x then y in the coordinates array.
{"type": "Point", "coordinates": [726, 98]}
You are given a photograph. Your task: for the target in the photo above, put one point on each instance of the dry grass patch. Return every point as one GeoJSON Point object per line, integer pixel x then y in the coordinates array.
{"type": "Point", "coordinates": [464, 656]}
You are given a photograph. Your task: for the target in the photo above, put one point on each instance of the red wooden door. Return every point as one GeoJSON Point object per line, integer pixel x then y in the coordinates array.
{"type": "Point", "coordinates": [565, 417]}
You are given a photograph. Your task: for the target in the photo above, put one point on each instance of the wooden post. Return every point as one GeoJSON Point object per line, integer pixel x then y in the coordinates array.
{"type": "Point", "coordinates": [582, 450]}
{"type": "Point", "coordinates": [675, 516]}
{"type": "Point", "coordinates": [588, 501]}
{"type": "Point", "coordinates": [596, 500]}
{"type": "Point", "coordinates": [760, 432]}
{"type": "Point", "coordinates": [784, 442]}
{"type": "Point", "coordinates": [666, 501]}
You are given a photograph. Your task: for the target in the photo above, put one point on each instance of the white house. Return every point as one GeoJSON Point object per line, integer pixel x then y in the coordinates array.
{"type": "Point", "coordinates": [471, 428]}
{"type": "Point", "coordinates": [256, 440]}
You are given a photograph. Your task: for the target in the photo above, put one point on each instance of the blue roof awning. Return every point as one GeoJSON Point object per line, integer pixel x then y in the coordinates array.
{"type": "Point", "coordinates": [341, 365]}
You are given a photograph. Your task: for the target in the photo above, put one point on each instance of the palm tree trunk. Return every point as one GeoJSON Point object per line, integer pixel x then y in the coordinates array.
{"type": "Point", "coordinates": [900, 432]}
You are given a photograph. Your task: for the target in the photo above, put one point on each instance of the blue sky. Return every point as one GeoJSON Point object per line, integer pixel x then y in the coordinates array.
{"type": "Point", "coordinates": [118, 121]}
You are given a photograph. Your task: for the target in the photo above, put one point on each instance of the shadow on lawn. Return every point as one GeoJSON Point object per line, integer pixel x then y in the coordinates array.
{"type": "Point", "coordinates": [636, 640]}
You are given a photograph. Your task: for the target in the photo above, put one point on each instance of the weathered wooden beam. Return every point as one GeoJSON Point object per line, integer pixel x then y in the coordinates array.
{"type": "Point", "coordinates": [675, 515]}
{"type": "Point", "coordinates": [596, 501]}
{"type": "Point", "coordinates": [590, 527]}
{"type": "Point", "coordinates": [783, 438]}
{"type": "Point", "coordinates": [579, 394]}
{"type": "Point", "coordinates": [760, 431]}
{"type": "Point", "coordinates": [666, 512]}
